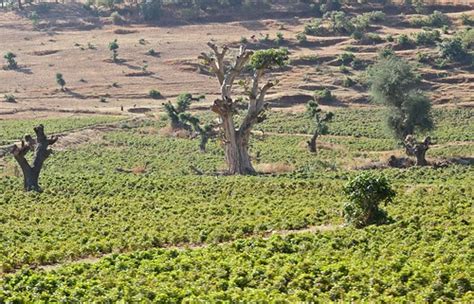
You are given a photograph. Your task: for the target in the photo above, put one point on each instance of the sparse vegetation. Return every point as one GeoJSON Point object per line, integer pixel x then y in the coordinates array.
{"type": "Point", "coordinates": [117, 18]}
{"type": "Point", "coordinates": [60, 81]}
{"type": "Point", "coordinates": [155, 94]}
{"type": "Point", "coordinates": [436, 19]}
{"type": "Point", "coordinates": [11, 61]}
{"type": "Point", "coordinates": [453, 49]}
{"type": "Point", "coordinates": [9, 98]}
{"type": "Point", "coordinates": [113, 47]}
{"type": "Point", "coordinates": [138, 204]}
{"type": "Point", "coordinates": [323, 96]}
{"type": "Point", "coordinates": [301, 37]}
{"type": "Point", "coordinates": [427, 37]}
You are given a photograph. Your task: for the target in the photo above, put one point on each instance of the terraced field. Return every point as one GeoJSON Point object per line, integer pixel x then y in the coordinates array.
{"type": "Point", "coordinates": [132, 212]}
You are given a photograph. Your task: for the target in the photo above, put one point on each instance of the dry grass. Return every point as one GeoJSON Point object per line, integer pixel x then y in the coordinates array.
{"type": "Point", "coordinates": [170, 132]}
{"type": "Point", "coordinates": [274, 168]}
{"type": "Point", "coordinates": [139, 169]}
{"type": "Point", "coordinates": [9, 169]}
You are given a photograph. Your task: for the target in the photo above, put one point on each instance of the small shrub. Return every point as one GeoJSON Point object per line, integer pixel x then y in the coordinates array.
{"type": "Point", "coordinates": [357, 35]}
{"type": "Point", "coordinates": [279, 38]}
{"type": "Point", "coordinates": [374, 38]}
{"type": "Point", "coordinates": [423, 57]}
{"type": "Point", "coordinates": [386, 52]}
{"type": "Point", "coordinates": [404, 41]}
{"type": "Point", "coordinates": [453, 49]}
{"type": "Point", "coordinates": [441, 63]}
{"type": "Point", "coordinates": [10, 98]}
{"type": "Point", "coordinates": [116, 18]}
{"type": "Point", "coordinates": [346, 58]}
{"type": "Point", "coordinates": [155, 94]}
{"type": "Point", "coordinates": [343, 69]}
{"type": "Point", "coordinates": [243, 40]}
{"type": "Point", "coordinates": [264, 38]}
{"type": "Point", "coordinates": [151, 52]}
{"type": "Point", "coordinates": [151, 10]}
{"type": "Point", "coordinates": [313, 28]}
{"type": "Point", "coordinates": [11, 62]}
{"type": "Point", "coordinates": [427, 37]}
{"type": "Point", "coordinates": [340, 23]}
{"type": "Point", "coordinates": [323, 95]}
{"type": "Point", "coordinates": [375, 16]}
{"type": "Point", "coordinates": [467, 38]}
{"type": "Point", "coordinates": [366, 192]}
{"type": "Point", "coordinates": [436, 19]}
{"type": "Point", "coordinates": [113, 46]}
{"type": "Point", "coordinates": [467, 19]}
{"type": "Point", "coordinates": [301, 37]}
{"type": "Point", "coordinates": [60, 81]}
{"type": "Point", "coordinates": [103, 100]}
{"type": "Point", "coordinates": [357, 64]}
{"type": "Point", "coordinates": [34, 18]}
{"type": "Point", "coordinates": [348, 82]}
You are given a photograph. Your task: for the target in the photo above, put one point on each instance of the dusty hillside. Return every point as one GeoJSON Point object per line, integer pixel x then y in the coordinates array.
{"type": "Point", "coordinates": [79, 50]}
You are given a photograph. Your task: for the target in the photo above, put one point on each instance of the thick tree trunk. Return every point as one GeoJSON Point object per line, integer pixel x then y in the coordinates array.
{"type": "Point", "coordinates": [417, 149]}
{"type": "Point", "coordinates": [32, 172]}
{"type": "Point", "coordinates": [236, 148]}
{"type": "Point", "coordinates": [236, 141]}
{"type": "Point", "coordinates": [20, 6]}
{"type": "Point", "coordinates": [420, 153]}
{"type": "Point", "coordinates": [237, 156]}
{"type": "Point", "coordinates": [312, 143]}
{"type": "Point", "coordinates": [203, 142]}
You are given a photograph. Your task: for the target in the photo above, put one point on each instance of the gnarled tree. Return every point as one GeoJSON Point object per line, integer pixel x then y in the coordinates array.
{"type": "Point", "coordinates": [314, 112]}
{"type": "Point", "coordinates": [31, 172]}
{"type": "Point", "coordinates": [236, 138]}
{"type": "Point", "coordinates": [417, 149]}
{"type": "Point", "coordinates": [394, 84]}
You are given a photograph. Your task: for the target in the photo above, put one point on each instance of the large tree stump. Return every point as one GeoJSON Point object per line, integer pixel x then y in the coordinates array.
{"type": "Point", "coordinates": [417, 149]}
{"type": "Point", "coordinates": [40, 146]}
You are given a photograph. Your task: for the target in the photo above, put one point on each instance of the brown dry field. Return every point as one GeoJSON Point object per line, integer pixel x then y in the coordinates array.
{"type": "Point", "coordinates": [90, 74]}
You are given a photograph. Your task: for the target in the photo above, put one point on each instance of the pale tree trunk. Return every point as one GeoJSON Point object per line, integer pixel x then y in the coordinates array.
{"type": "Point", "coordinates": [312, 143]}
{"type": "Point", "coordinates": [236, 140]}
{"type": "Point", "coordinates": [417, 149]}
{"type": "Point", "coordinates": [40, 146]}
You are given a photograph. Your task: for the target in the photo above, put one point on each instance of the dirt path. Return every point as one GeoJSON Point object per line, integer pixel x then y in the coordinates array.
{"type": "Point", "coordinates": [265, 236]}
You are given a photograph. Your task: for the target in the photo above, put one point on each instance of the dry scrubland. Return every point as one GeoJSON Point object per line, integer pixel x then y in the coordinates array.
{"type": "Point", "coordinates": [130, 212]}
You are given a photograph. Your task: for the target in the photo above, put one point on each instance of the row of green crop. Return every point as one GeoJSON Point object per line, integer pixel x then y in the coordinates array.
{"type": "Point", "coordinates": [91, 207]}
{"type": "Point", "coordinates": [422, 256]}
{"type": "Point", "coordinates": [11, 130]}
{"type": "Point", "coordinates": [450, 124]}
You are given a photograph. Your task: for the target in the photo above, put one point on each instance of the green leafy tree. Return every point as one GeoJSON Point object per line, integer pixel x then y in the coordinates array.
{"type": "Point", "coordinates": [394, 84]}
{"type": "Point", "coordinates": [175, 111]}
{"type": "Point", "coordinates": [321, 119]}
{"type": "Point", "coordinates": [180, 119]}
{"type": "Point", "coordinates": [113, 47]}
{"type": "Point", "coordinates": [366, 192]}
{"type": "Point", "coordinates": [11, 62]}
{"type": "Point", "coordinates": [60, 81]}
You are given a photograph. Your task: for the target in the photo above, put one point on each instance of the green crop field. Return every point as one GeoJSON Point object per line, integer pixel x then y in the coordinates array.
{"type": "Point", "coordinates": [251, 151]}
{"type": "Point", "coordinates": [89, 208]}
